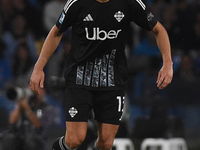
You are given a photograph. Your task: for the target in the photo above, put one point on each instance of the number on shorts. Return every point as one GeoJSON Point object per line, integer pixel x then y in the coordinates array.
{"type": "Point", "coordinates": [120, 100]}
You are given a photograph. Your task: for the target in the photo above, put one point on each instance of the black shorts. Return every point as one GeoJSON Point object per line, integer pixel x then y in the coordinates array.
{"type": "Point", "coordinates": [107, 105]}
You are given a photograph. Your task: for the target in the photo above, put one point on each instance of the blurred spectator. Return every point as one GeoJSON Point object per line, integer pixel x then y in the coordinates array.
{"type": "Point", "coordinates": [50, 17]}
{"type": "Point", "coordinates": [1, 26]}
{"type": "Point", "coordinates": [184, 25]}
{"type": "Point", "coordinates": [156, 7]}
{"type": "Point", "coordinates": [197, 63]}
{"type": "Point", "coordinates": [144, 85]}
{"type": "Point", "coordinates": [184, 90]}
{"type": "Point", "coordinates": [142, 54]}
{"type": "Point", "coordinates": [6, 14]}
{"type": "Point", "coordinates": [39, 4]}
{"type": "Point", "coordinates": [142, 90]}
{"type": "Point", "coordinates": [22, 65]}
{"type": "Point", "coordinates": [31, 15]}
{"type": "Point", "coordinates": [147, 47]}
{"type": "Point", "coordinates": [158, 124]}
{"type": "Point", "coordinates": [186, 70]}
{"type": "Point", "coordinates": [196, 39]}
{"type": "Point", "coordinates": [29, 124]}
{"type": "Point", "coordinates": [144, 64]}
{"type": "Point", "coordinates": [169, 18]}
{"type": "Point", "coordinates": [5, 71]}
{"type": "Point", "coordinates": [18, 33]}
{"type": "Point", "coordinates": [176, 57]}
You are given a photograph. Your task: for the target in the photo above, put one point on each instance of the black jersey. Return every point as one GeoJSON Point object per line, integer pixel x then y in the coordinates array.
{"type": "Point", "coordinates": [97, 57]}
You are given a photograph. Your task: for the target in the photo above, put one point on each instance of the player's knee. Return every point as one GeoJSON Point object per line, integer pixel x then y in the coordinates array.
{"type": "Point", "coordinates": [74, 142]}
{"type": "Point", "coordinates": [106, 146]}
{"type": "Point", "coordinates": [105, 143]}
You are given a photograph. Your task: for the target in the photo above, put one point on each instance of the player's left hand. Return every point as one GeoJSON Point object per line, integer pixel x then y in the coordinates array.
{"type": "Point", "coordinates": [165, 76]}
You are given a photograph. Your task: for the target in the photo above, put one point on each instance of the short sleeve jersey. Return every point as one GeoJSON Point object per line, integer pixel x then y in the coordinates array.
{"type": "Point", "coordinates": [97, 58]}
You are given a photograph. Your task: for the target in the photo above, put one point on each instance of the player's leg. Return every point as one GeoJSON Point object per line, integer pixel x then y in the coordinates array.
{"type": "Point", "coordinates": [77, 107]}
{"type": "Point", "coordinates": [106, 135]}
{"type": "Point", "coordinates": [75, 135]}
{"type": "Point", "coordinates": [108, 112]}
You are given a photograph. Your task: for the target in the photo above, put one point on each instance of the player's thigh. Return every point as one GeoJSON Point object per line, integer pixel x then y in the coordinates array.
{"type": "Point", "coordinates": [107, 132]}
{"type": "Point", "coordinates": [109, 106]}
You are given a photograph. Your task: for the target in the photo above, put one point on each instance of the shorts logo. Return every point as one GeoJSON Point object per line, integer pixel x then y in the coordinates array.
{"type": "Point", "coordinates": [73, 111]}
{"type": "Point", "coordinates": [119, 16]}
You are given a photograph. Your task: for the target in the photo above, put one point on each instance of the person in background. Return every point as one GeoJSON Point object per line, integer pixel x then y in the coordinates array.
{"type": "Point", "coordinates": [17, 34]}
{"type": "Point", "coordinates": [22, 65]}
{"type": "Point", "coordinates": [29, 124]}
{"type": "Point", "coordinates": [6, 14]}
{"type": "Point", "coordinates": [5, 69]}
{"type": "Point", "coordinates": [186, 69]}
{"type": "Point", "coordinates": [32, 16]}
{"type": "Point", "coordinates": [49, 16]}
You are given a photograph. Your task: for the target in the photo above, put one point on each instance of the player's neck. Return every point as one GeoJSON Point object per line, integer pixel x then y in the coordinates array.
{"type": "Point", "coordinates": [102, 1]}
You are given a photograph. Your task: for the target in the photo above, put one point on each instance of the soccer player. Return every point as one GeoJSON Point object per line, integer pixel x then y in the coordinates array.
{"type": "Point", "coordinates": [96, 69]}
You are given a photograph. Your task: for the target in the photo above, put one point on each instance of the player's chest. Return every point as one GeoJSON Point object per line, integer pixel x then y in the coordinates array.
{"type": "Point", "coordinates": [103, 17]}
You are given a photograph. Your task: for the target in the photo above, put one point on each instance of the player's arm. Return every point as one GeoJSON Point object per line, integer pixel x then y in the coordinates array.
{"type": "Point", "coordinates": [51, 43]}
{"type": "Point", "coordinates": [165, 74]}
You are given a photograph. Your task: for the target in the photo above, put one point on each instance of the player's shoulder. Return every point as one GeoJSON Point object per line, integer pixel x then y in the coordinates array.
{"type": "Point", "coordinates": [133, 1]}
{"type": "Point", "coordinates": [75, 1]}
{"type": "Point", "coordinates": [73, 4]}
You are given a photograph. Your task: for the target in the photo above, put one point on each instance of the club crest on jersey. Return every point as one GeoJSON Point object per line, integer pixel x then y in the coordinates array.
{"type": "Point", "coordinates": [119, 16]}
{"type": "Point", "coordinates": [61, 18]}
{"type": "Point", "coordinates": [73, 111]}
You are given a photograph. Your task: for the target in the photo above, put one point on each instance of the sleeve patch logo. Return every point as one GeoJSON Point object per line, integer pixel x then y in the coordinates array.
{"type": "Point", "coordinates": [61, 18]}
{"type": "Point", "coordinates": [150, 16]}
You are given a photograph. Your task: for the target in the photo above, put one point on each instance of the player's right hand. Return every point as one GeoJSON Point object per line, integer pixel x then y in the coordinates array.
{"type": "Point", "coordinates": [37, 81]}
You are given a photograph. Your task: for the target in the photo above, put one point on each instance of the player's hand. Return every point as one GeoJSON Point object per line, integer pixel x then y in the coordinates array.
{"type": "Point", "coordinates": [37, 81]}
{"type": "Point", "coordinates": [165, 76]}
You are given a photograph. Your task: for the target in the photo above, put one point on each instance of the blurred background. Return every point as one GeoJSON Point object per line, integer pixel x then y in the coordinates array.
{"type": "Point", "coordinates": [150, 112]}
